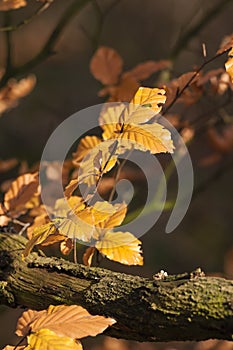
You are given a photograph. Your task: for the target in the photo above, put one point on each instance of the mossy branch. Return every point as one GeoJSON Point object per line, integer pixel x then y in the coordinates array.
{"type": "Point", "coordinates": [182, 307]}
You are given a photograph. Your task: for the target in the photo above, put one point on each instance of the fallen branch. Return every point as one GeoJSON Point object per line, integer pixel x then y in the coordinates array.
{"type": "Point", "coordinates": [182, 307]}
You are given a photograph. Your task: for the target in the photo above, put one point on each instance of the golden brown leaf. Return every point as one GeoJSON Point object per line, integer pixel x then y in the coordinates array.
{"type": "Point", "coordinates": [151, 97]}
{"type": "Point", "coordinates": [71, 187]}
{"type": "Point", "coordinates": [122, 247]}
{"type": "Point", "coordinates": [178, 84]}
{"type": "Point", "coordinates": [116, 218]}
{"type": "Point", "coordinates": [38, 236]}
{"type": "Point", "coordinates": [229, 65]}
{"type": "Point", "coordinates": [106, 65]}
{"type": "Point", "coordinates": [71, 321]}
{"type": "Point", "coordinates": [144, 70]}
{"type": "Point", "coordinates": [46, 339]}
{"type": "Point", "coordinates": [13, 91]}
{"type": "Point", "coordinates": [85, 145]}
{"type": "Point", "coordinates": [21, 191]}
{"type": "Point", "coordinates": [98, 161]}
{"type": "Point", "coordinates": [24, 322]}
{"type": "Point", "coordinates": [149, 137]}
{"type": "Point", "coordinates": [6, 5]}
{"type": "Point", "coordinates": [123, 91]}
{"type": "Point", "coordinates": [66, 246]}
{"type": "Point", "coordinates": [88, 255]}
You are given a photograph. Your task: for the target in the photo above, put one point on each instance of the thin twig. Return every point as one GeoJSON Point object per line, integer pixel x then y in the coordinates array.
{"type": "Point", "coordinates": [23, 224]}
{"type": "Point", "coordinates": [48, 48]}
{"type": "Point", "coordinates": [119, 169]}
{"type": "Point", "coordinates": [40, 10]}
{"type": "Point", "coordinates": [8, 63]}
{"type": "Point", "coordinates": [192, 32]}
{"type": "Point", "coordinates": [195, 74]}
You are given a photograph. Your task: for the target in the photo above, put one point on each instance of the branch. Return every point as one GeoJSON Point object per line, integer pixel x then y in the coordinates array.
{"type": "Point", "coordinates": [192, 32]}
{"type": "Point", "coordinates": [182, 307]}
{"type": "Point", "coordinates": [48, 48]}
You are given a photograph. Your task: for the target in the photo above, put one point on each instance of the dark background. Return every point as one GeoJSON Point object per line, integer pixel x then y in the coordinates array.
{"type": "Point", "coordinates": [138, 30]}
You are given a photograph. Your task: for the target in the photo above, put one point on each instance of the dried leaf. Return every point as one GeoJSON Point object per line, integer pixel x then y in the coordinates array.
{"type": "Point", "coordinates": [71, 321]}
{"type": "Point", "coordinates": [144, 70]}
{"type": "Point", "coordinates": [106, 65]}
{"type": "Point", "coordinates": [66, 246]}
{"type": "Point", "coordinates": [6, 5]}
{"type": "Point", "coordinates": [38, 236]}
{"type": "Point", "coordinates": [71, 187]}
{"type": "Point", "coordinates": [46, 339]}
{"type": "Point", "coordinates": [85, 145]}
{"type": "Point", "coordinates": [116, 218]}
{"type": "Point", "coordinates": [178, 84]}
{"type": "Point", "coordinates": [99, 161]}
{"type": "Point", "coordinates": [122, 247]}
{"type": "Point", "coordinates": [148, 137]}
{"type": "Point", "coordinates": [123, 91]}
{"type": "Point", "coordinates": [24, 322]}
{"type": "Point", "coordinates": [88, 255]}
{"type": "Point", "coordinates": [13, 91]}
{"type": "Point", "coordinates": [229, 65]}
{"type": "Point", "coordinates": [150, 97]}
{"type": "Point", "coordinates": [21, 191]}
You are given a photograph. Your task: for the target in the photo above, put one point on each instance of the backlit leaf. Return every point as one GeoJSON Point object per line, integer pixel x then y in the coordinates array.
{"type": "Point", "coordinates": [46, 339]}
{"type": "Point", "coordinates": [88, 255]}
{"type": "Point", "coordinates": [66, 246]}
{"type": "Point", "coordinates": [98, 161]}
{"type": "Point", "coordinates": [39, 235]}
{"type": "Point", "coordinates": [106, 65]}
{"type": "Point", "coordinates": [15, 90]}
{"type": "Point", "coordinates": [21, 191]}
{"type": "Point", "coordinates": [85, 145]}
{"type": "Point", "coordinates": [116, 218]}
{"type": "Point", "coordinates": [122, 247]}
{"type": "Point", "coordinates": [71, 187]}
{"type": "Point", "coordinates": [149, 137]}
{"type": "Point", "coordinates": [229, 65]}
{"type": "Point", "coordinates": [153, 97]}
{"type": "Point", "coordinates": [71, 321]}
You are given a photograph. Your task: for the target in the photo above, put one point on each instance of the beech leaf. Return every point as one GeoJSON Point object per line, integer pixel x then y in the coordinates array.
{"type": "Point", "coordinates": [122, 247]}
{"type": "Point", "coordinates": [106, 65]}
{"type": "Point", "coordinates": [45, 339]}
{"type": "Point", "coordinates": [21, 191]}
{"type": "Point", "coordinates": [71, 321]}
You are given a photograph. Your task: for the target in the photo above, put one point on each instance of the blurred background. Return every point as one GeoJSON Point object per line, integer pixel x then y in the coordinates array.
{"type": "Point", "coordinates": [139, 31]}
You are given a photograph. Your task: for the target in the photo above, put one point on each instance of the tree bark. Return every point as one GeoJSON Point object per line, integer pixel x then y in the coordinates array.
{"type": "Point", "coordinates": [182, 307]}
